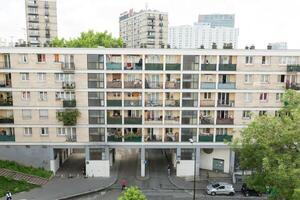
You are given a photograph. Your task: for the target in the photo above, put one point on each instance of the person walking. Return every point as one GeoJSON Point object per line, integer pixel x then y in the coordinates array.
{"type": "Point", "coordinates": [123, 184]}
{"type": "Point", "coordinates": [169, 170]}
{"type": "Point", "coordinates": [8, 196]}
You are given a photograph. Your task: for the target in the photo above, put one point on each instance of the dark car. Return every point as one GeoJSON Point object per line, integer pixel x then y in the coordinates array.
{"type": "Point", "coordinates": [249, 192]}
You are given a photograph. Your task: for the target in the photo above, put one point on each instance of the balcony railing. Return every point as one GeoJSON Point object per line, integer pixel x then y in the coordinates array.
{"type": "Point", "coordinates": [154, 66]}
{"type": "Point", "coordinates": [207, 103]}
{"type": "Point", "coordinates": [68, 66]}
{"type": "Point", "coordinates": [114, 138]}
{"type": "Point", "coordinates": [112, 103]}
{"type": "Point", "coordinates": [114, 120]}
{"type": "Point", "coordinates": [6, 120]}
{"type": "Point", "coordinates": [133, 66]}
{"type": "Point", "coordinates": [228, 121]}
{"type": "Point", "coordinates": [222, 138]}
{"type": "Point", "coordinates": [172, 85]}
{"type": "Point", "coordinates": [224, 103]}
{"type": "Point", "coordinates": [135, 138]}
{"type": "Point", "coordinates": [206, 138]}
{"type": "Point", "coordinates": [68, 85]}
{"type": "Point", "coordinates": [189, 103]}
{"type": "Point", "coordinates": [153, 120]}
{"type": "Point", "coordinates": [133, 103]}
{"type": "Point", "coordinates": [173, 66]}
{"type": "Point", "coordinates": [71, 138]}
{"type": "Point", "coordinates": [6, 84]}
{"type": "Point", "coordinates": [133, 84]}
{"type": "Point", "coordinates": [114, 84]}
{"type": "Point", "coordinates": [208, 67]}
{"type": "Point", "coordinates": [153, 85]}
{"type": "Point", "coordinates": [4, 65]}
{"type": "Point", "coordinates": [113, 66]}
{"type": "Point", "coordinates": [172, 120]}
{"type": "Point", "coordinates": [293, 86]}
{"type": "Point", "coordinates": [6, 103]}
{"type": "Point", "coordinates": [69, 103]}
{"type": "Point", "coordinates": [153, 103]}
{"type": "Point", "coordinates": [95, 65]}
{"type": "Point", "coordinates": [206, 121]}
{"type": "Point", "coordinates": [227, 67]}
{"type": "Point", "coordinates": [185, 137]}
{"type": "Point", "coordinates": [208, 85]}
{"type": "Point", "coordinates": [133, 120]}
{"type": "Point", "coordinates": [172, 103]}
{"type": "Point", "coordinates": [7, 138]}
{"type": "Point", "coordinates": [293, 68]}
{"type": "Point", "coordinates": [226, 85]}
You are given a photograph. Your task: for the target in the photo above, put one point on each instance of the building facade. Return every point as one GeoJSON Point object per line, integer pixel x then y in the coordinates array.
{"type": "Point", "coordinates": [144, 29]}
{"type": "Point", "coordinates": [218, 20]}
{"type": "Point", "coordinates": [53, 100]}
{"type": "Point", "coordinates": [202, 35]}
{"type": "Point", "coordinates": [41, 21]}
{"type": "Point", "coordinates": [278, 45]}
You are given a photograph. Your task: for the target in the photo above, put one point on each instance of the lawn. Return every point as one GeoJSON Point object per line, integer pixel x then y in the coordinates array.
{"type": "Point", "coordinates": [8, 184]}
{"type": "Point", "coordinates": [24, 169]}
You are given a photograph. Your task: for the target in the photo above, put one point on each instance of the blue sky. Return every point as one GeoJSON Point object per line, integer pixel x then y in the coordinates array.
{"type": "Point", "coordinates": [259, 21]}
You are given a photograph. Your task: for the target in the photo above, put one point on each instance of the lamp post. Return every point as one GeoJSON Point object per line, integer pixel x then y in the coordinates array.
{"type": "Point", "coordinates": [194, 191]}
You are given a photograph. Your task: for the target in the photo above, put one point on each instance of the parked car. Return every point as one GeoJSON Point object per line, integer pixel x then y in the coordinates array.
{"type": "Point", "coordinates": [220, 188]}
{"type": "Point", "coordinates": [249, 192]}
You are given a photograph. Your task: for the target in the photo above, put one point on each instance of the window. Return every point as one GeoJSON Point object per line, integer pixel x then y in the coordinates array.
{"type": "Point", "coordinates": [279, 96]}
{"type": "Point", "coordinates": [44, 131]}
{"type": "Point", "coordinates": [248, 97]}
{"type": "Point", "coordinates": [43, 96]}
{"type": "Point", "coordinates": [207, 95]}
{"type": "Point", "coordinates": [66, 131]}
{"type": "Point", "coordinates": [249, 60]}
{"type": "Point", "coordinates": [96, 116]}
{"type": "Point", "coordinates": [263, 97]}
{"type": "Point", "coordinates": [43, 114]}
{"type": "Point", "coordinates": [262, 112]}
{"type": "Point", "coordinates": [56, 57]}
{"type": "Point", "coordinates": [248, 78]}
{"type": "Point", "coordinates": [264, 78]}
{"type": "Point", "coordinates": [288, 60]}
{"type": "Point", "coordinates": [24, 58]}
{"type": "Point", "coordinates": [65, 95]}
{"type": "Point", "coordinates": [25, 96]}
{"type": "Point", "coordinates": [41, 57]}
{"type": "Point", "coordinates": [26, 114]}
{"type": "Point", "coordinates": [27, 131]}
{"type": "Point", "coordinates": [24, 76]}
{"type": "Point", "coordinates": [265, 60]}
{"type": "Point", "coordinates": [281, 78]}
{"type": "Point", "coordinates": [64, 77]}
{"type": "Point", "coordinates": [246, 114]}
{"type": "Point", "coordinates": [41, 76]}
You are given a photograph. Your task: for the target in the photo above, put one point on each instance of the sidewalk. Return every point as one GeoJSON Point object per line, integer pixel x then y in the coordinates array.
{"type": "Point", "coordinates": [21, 176]}
{"type": "Point", "coordinates": [63, 188]}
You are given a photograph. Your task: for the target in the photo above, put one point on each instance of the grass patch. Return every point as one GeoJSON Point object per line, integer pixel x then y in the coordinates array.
{"type": "Point", "coordinates": [24, 169]}
{"type": "Point", "coordinates": [14, 186]}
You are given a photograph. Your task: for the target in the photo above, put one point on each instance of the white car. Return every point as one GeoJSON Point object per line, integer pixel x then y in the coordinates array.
{"type": "Point", "coordinates": [220, 188]}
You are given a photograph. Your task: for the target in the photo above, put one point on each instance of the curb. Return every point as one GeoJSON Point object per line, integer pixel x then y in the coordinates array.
{"type": "Point", "coordinates": [92, 191]}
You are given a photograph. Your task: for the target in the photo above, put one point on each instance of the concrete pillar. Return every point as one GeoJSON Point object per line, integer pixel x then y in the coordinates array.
{"type": "Point", "coordinates": [143, 162]}
{"type": "Point", "coordinates": [198, 161]}
{"type": "Point", "coordinates": [87, 153]}
{"type": "Point", "coordinates": [231, 162]}
{"type": "Point", "coordinates": [106, 153]}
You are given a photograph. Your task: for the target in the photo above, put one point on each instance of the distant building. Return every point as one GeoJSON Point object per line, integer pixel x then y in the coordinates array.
{"type": "Point", "coordinates": [3, 42]}
{"type": "Point", "coordinates": [202, 36]}
{"type": "Point", "coordinates": [218, 20]}
{"type": "Point", "coordinates": [278, 45]}
{"type": "Point", "coordinates": [144, 29]}
{"type": "Point", "coordinates": [41, 21]}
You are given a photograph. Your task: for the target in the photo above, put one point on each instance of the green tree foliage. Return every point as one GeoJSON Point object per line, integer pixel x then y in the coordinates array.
{"type": "Point", "coordinates": [89, 39]}
{"type": "Point", "coordinates": [270, 148]}
{"type": "Point", "coordinates": [68, 117]}
{"type": "Point", "coordinates": [132, 193]}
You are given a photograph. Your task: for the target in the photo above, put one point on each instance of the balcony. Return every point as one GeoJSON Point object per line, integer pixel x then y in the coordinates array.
{"type": "Point", "coordinates": [68, 67]}
{"type": "Point", "coordinates": [68, 85]}
{"type": "Point", "coordinates": [153, 66]}
{"type": "Point", "coordinates": [172, 103]}
{"type": "Point", "coordinates": [153, 85]}
{"type": "Point", "coordinates": [227, 67]}
{"type": "Point", "coordinates": [226, 85]}
{"type": "Point", "coordinates": [7, 138]}
{"type": "Point", "coordinates": [223, 138]}
{"type": "Point", "coordinates": [206, 138]}
{"type": "Point", "coordinates": [173, 66]}
{"type": "Point", "coordinates": [153, 103]}
{"type": "Point", "coordinates": [132, 103]}
{"type": "Point", "coordinates": [71, 138]}
{"type": "Point", "coordinates": [172, 119]}
{"type": "Point", "coordinates": [224, 103]}
{"type": "Point", "coordinates": [206, 121]}
{"type": "Point", "coordinates": [133, 120]}
{"type": "Point", "coordinates": [133, 84]}
{"type": "Point", "coordinates": [6, 102]}
{"type": "Point", "coordinates": [225, 121]}
{"type": "Point", "coordinates": [5, 84]}
{"type": "Point", "coordinates": [33, 19]}
{"type": "Point", "coordinates": [293, 86]}
{"type": "Point", "coordinates": [208, 67]}
{"type": "Point", "coordinates": [293, 68]}
{"type": "Point", "coordinates": [189, 103]}
{"type": "Point", "coordinates": [114, 84]}
{"type": "Point", "coordinates": [208, 85]}
{"type": "Point", "coordinates": [114, 138]}
{"type": "Point", "coordinates": [6, 120]}
{"type": "Point", "coordinates": [132, 137]}
{"type": "Point", "coordinates": [114, 119]}
{"type": "Point", "coordinates": [69, 103]}
{"type": "Point", "coordinates": [5, 65]}
{"type": "Point", "coordinates": [207, 103]}
{"type": "Point", "coordinates": [172, 85]}
{"type": "Point", "coordinates": [153, 120]}
{"type": "Point", "coordinates": [113, 66]}
{"type": "Point", "coordinates": [114, 103]}
{"type": "Point", "coordinates": [133, 66]}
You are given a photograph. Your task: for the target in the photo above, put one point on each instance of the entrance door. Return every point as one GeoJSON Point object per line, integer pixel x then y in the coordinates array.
{"type": "Point", "coordinates": [218, 165]}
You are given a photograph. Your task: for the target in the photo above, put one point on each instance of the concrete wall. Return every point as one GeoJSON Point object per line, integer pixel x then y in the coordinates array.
{"type": "Point", "coordinates": [36, 156]}
{"type": "Point", "coordinates": [185, 168]}
{"type": "Point", "coordinates": [206, 161]}
{"type": "Point", "coordinates": [54, 164]}
{"type": "Point", "coordinates": [97, 168]}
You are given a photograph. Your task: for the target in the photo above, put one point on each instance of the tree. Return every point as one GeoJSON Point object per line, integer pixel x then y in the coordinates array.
{"type": "Point", "coordinates": [132, 193]}
{"type": "Point", "coordinates": [89, 39]}
{"type": "Point", "coordinates": [270, 148]}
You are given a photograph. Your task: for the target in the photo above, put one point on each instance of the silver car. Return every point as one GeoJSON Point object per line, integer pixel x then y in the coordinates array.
{"type": "Point", "coordinates": [220, 188]}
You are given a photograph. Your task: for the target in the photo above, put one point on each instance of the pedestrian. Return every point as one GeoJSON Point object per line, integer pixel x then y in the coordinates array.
{"type": "Point", "coordinates": [123, 184]}
{"type": "Point", "coordinates": [169, 170]}
{"type": "Point", "coordinates": [8, 196]}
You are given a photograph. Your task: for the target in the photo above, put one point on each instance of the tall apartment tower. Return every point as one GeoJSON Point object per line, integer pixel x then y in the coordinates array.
{"type": "Point", "coordinates": [41, 21]}
{"type": "Point", "coordinates": [144, 29]}
{"type": "Point", "coordinates": [218, 20]}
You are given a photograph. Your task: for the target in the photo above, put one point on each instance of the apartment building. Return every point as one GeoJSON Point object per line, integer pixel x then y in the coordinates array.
{"type": "Point", "coordinates": [53, 100]}
{"type": "Point", "coordinates": [144, 29]}
{"type": "Point", "coordinates": [41, 22]}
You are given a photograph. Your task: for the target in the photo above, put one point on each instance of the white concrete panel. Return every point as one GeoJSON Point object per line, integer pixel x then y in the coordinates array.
{"type": "Point", "coordinates": [206, 161]}
{"type": "Point", "coordinates": [97, 168]}
{"type": "Point", "coordinates": [54, 164]}
{"type": "Point", "coordinates": [185, 168]}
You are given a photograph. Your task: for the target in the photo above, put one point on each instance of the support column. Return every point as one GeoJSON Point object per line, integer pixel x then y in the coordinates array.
{"type": "Point", "coordinates": [231, 162]}
{"type": "Point", "coordinates": [87, 153]}
{"type": "Point", "coordinates": [197, 161]}
{"type": "Point", "coordinates": [54, 165]}
{"type": "Point", "coordinates": [106, 153]}
{"type": "Point", "coordinates": [142, 162]}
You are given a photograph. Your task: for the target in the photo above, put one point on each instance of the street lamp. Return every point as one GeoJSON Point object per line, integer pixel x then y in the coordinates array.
{"type": "Point", "coordinates": [194, 192]}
